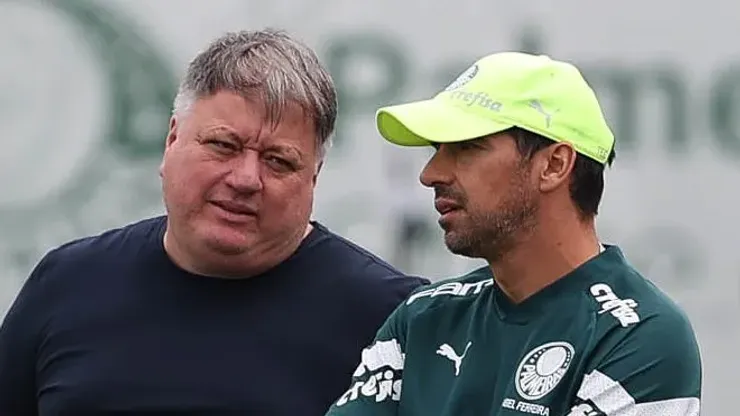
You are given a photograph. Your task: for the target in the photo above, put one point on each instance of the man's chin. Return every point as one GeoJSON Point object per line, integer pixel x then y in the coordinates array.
{"type": "Point", "coordinates": [228, 242]}
{"type": "Point", "coordinates": [460, 246]}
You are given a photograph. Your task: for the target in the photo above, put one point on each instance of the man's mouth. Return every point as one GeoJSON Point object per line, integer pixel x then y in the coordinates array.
{"type": "Point", "coordinates": [235, 207]}
{"type": "Point", "coordinates": [444, 206]}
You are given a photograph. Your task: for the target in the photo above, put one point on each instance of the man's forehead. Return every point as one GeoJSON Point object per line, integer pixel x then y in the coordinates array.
{"type": "Point", "coordinates": [501, 136]}
{"type": "Point", "coordinates": [493, 139]}
{"type": "Point", "coordinates": [243, 113]}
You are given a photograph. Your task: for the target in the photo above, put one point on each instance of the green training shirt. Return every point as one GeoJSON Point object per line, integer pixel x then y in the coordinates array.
{"type": "Point", "coordinates": [600, 341]}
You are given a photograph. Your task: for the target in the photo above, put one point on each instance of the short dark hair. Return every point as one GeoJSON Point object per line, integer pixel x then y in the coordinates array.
{"type": "Point", "coordinates": [587, 184]}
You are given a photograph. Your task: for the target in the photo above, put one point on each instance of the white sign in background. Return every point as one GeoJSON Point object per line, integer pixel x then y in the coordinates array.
{"type": "Point", "coordinates": [666, 74]}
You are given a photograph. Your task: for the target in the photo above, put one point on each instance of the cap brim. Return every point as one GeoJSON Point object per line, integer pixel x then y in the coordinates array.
{"type": "Point", "coordinates": [422, 123]}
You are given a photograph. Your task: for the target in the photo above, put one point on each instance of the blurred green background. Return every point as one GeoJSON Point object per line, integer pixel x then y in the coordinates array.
{"type": "Point", "coordinates": [86, 89]}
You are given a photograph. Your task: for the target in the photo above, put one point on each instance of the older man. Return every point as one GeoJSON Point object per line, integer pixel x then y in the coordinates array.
{"type": "Point", "coordinates": [235, 302]}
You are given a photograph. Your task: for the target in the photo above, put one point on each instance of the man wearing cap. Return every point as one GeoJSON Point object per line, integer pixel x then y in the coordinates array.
{"type": "Point", "coordinates": [557, 323]}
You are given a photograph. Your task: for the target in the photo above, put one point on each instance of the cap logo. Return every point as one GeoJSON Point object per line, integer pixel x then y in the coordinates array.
{"type": "Point", "coordinates": [537, 106]}
{"type": "Point", "coordinates": [464, 78]}
{"type": "Point", "coordinates": [478, 99]}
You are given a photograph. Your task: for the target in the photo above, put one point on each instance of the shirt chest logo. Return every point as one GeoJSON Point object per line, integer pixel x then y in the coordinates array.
{"type": "Point", "coordinates": [542, 369]}
{"type": "Point", "coordinates": [448, 352]}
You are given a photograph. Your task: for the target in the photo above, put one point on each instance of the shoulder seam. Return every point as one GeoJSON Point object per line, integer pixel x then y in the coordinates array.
{"type": "Point", "coordinates": [372, 257]}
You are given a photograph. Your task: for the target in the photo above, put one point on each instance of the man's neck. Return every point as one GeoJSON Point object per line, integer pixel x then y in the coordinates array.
{"type": "Point", "coordinates": [232, 267]}
{"type": "Point", "coordinates": [544, 257]}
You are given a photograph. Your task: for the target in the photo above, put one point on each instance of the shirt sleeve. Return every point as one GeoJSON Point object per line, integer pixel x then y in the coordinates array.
{"type": "Point", "coordinates": [375, 389]}
{"type": "Point", "coordinates": [649, 370]}
{"type": "Point", "coordinates": [19, 341]}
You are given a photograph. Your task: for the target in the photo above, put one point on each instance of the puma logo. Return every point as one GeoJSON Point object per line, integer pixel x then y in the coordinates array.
{"type": "Point", "coordinates": [538, 107]}
{"type": "Point", "coordinates": [447, 351]}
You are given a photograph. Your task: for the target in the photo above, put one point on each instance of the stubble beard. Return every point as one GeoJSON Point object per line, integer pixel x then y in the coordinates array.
{"type": "Point", "coordinates": [491, 235]}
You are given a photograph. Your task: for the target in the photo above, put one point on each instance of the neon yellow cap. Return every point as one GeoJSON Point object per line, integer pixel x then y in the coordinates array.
{"type": "Point", "coordinates": [500, 91]}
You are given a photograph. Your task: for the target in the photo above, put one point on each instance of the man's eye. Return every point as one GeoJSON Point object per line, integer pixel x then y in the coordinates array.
{"type": "Point", "coordinates": [222, 146]}
{"type": "Point", "coordinates": [279, 163]}
{"type": "Point", "coordinates": [468, 145]}
{"type": "Point", "coordinates": [465, 145]}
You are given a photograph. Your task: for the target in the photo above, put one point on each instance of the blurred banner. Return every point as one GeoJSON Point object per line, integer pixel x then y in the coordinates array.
{"type": "Point", "coordinates": [86, 89]}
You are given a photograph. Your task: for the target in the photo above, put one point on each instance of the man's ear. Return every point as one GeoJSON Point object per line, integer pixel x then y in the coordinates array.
{"type": "Point", "coordinates": [556, 165]}
{"type": "Point", "coordinates": [169, 141]}
{"type": "Point", "coordinates": [318, 170]}
{"type": "Point", "coordinates": [172, 133]}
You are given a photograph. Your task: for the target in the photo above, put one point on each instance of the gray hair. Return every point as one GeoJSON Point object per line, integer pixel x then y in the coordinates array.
{"type": "Point", "coordinates": [270, 65]}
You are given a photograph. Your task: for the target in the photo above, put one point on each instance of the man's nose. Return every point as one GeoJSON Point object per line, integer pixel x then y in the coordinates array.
{"type": "Point", "coordinates": [437, 171]}
{"type": "Point", "coordinates": [244, 176]}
